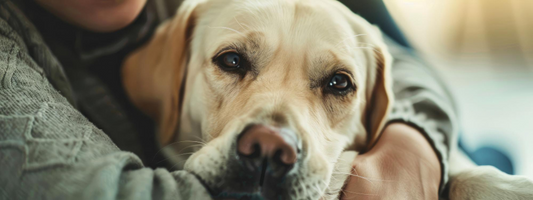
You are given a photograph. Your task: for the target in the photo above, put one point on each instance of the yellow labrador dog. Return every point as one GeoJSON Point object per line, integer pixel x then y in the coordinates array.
{"type": "Point", "coordinates": [272, 97]}
{"type": "Point", "coordinates": [277, 89]}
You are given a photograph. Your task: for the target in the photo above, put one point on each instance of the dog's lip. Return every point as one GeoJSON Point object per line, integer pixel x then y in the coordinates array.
{"type": "Point", "coordinates": [227, 195]}
{"type": "Point", "coordinates": [202, 181]}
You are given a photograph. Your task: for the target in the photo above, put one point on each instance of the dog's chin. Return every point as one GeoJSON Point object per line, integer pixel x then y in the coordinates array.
{"type": "Point", "coordinates": [235, 181]}
{"type": "Point", "coordinates": [244, 184]}
{"type": "Point", "coordinates": [228, 192]}
{"type": "Point", "coordinates": [254, 192]}
{"type": "Point", "coordinates": [279, 191]}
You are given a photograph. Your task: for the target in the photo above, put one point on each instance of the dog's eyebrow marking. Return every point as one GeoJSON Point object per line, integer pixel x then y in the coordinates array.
{"type": "Point", "coordinates": [251, 44]}
{"type": "Point", "coordinates": [255, 52]}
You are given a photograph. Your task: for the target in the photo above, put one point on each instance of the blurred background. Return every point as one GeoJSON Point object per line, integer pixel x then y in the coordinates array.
{"type": "Point", "coordinates": [484, 51]}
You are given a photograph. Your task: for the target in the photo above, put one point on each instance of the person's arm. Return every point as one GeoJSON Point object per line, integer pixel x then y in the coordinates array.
{"type": "Point", "coordinates": [416, 144]}
{"type": "Point", "coordinates": [424, 102]}
{"type": "Point", "coordinates": [402, 165]}
{"type": "Point", "coordinates": [48, 150]}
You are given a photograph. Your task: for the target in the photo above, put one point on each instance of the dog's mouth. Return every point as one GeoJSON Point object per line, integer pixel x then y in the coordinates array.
{"type": "Point", "coordinates": [223, 194]}
{"type": "Point", "coordinates": [204, 183]}
{"type": "Point", "coordinates": [261, 185]}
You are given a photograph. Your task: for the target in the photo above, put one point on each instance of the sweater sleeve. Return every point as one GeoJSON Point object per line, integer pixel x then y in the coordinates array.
{"type": "Point", "coordinates": [48, 150]}
{"type": "Point", "coordinates": [423, 102]}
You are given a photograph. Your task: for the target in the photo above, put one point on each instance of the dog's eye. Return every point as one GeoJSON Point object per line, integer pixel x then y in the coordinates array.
{"type": "Point", "coordinates": [339, 84]}
{"type": "Point", "coordinates": [229, 61]}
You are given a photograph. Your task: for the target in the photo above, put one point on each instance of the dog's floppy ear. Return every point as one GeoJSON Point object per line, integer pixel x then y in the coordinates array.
{"type": "Point", "coordinates": [154, 74]}
{"type": "Point", "coordinates": [379, 95]}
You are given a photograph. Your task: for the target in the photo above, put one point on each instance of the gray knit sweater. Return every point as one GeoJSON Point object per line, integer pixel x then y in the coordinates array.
{"type": "Point", "coordinates": [48, 150]}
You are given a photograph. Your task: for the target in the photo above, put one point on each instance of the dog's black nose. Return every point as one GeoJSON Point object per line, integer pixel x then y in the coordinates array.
{"type": "Point", "coordinates": [261, 147]}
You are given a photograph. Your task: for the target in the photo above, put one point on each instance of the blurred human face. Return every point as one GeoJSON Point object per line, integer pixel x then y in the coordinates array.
{"type": "Point", "coordinates": [95, 15]}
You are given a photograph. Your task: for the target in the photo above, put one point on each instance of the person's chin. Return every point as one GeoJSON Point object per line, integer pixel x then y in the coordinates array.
{"type": "Point", "coordinates": [109, 17]}
{"type": "Point", "coordinates": [96, 15]}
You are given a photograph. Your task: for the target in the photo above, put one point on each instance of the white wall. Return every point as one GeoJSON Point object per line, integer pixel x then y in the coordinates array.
{"type": "Point", "coordinates": [484, 49]}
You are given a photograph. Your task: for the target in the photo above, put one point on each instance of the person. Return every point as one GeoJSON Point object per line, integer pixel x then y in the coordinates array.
{"type": "Point", "coordinates": [67, 129]}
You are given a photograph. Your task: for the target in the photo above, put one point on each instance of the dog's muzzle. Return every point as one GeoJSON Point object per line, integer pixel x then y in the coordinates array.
{"type": "Point", "coordinates": [265, 157]}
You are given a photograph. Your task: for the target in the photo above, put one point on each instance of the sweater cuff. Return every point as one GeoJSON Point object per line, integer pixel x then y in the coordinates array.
{"type": "Point", "coordinates": [404, 112]}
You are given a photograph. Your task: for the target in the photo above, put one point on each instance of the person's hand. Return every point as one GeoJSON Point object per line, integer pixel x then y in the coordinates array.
{"type": "Point", "coordinates": [402, 165]}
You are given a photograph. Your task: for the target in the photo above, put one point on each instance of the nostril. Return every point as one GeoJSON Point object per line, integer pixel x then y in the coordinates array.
{"type": "Point", "coordinates": [277, 157]}
{"type": "Point", "coordinates": [251, 157]}
{"type": "Point", "coordinates": [253, 152]}
{"type": "Point", "coordinates": [288, 155]}
{"type": "Point", "coordinates": [285, 156]}
{"type": "Point", "coordinates": [246, 145]}
{"type": "Point", "coordinates": [279, 167]}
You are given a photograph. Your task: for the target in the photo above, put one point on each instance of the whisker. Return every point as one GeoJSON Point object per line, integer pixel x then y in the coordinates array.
{"type": "Point", "coordinates": [160, 149]}
{"type": "Point", "coordinates": [367, 178]}
{"type": "Point", "coordinates": [181, 154]}
{"type": "Point", "coordinates": [187, 141]}
{"type": "Point", "coordinates": [198, 144]}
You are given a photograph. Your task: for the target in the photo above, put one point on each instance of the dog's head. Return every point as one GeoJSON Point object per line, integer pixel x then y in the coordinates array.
{"type": "Point", "coordinates": [273, 90]}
